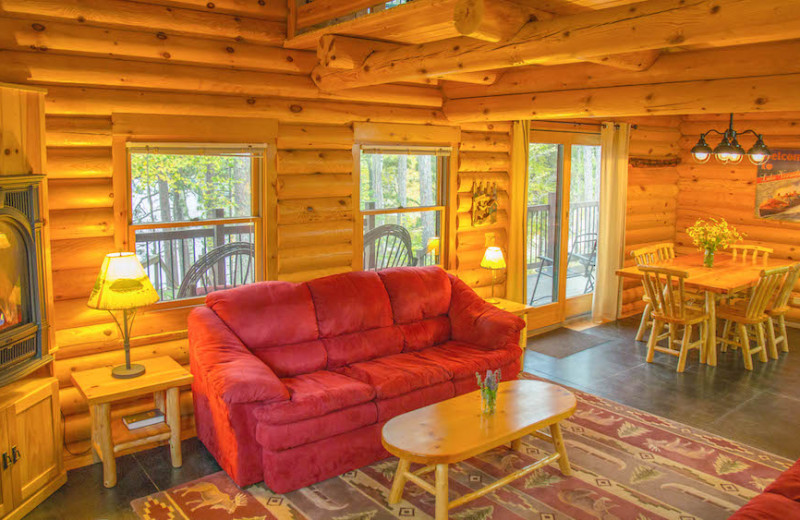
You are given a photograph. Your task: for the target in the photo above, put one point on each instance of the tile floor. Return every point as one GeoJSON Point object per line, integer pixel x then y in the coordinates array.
{"type": "Point", "coordinates": [759, 408]}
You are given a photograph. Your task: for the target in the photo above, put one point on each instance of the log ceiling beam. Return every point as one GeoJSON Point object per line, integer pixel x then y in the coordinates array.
{"type": "Point", "coordinates": [654, 24]}
{"type": "Point", "coordinates": [121, 13]}
{"type": "Point", "coordinates": [337, 53]}
{"type": "Point", "coordinates": [41, 68]}
{"type": "Point", "coordinates": [764, 59]}
{"type": "Point", "coordinates": [757, 94]}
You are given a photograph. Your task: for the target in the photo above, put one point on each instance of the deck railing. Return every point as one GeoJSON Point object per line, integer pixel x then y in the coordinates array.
{"type": "Point", "coordinates": [583, 218]}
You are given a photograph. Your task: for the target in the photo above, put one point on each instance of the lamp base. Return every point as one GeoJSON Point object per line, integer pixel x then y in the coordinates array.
{"type": "Point", "coordinates": [492, 300]}
{"type": "Point", "coordinates": [123, 372]}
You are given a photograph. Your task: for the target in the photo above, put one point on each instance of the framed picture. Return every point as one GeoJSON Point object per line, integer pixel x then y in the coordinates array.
{"type": "Point", "coordinates": [484, 203]}
{"type": "Point", "coordinates": [778, 187]}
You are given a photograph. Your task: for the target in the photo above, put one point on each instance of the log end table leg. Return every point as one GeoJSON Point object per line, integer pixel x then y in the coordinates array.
{"type": "Point", "coordinates": [106, 444]}
{"type": "Point", "coordinates": [561, 448]}
{"type": "Point", "coordinates": [399, 481]}
{"type": "Point", "coordinates": [174, 422]}
{"type": "Point", "coordinates": [442, 492]}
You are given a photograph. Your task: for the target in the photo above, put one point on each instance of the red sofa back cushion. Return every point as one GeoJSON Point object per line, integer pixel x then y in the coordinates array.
{"type": "Point", "coordinates": [417, 293]}
{"type": "Point", "coordinates": [350, 302]}
{"type": "Point", "coordinates": [276, 321]}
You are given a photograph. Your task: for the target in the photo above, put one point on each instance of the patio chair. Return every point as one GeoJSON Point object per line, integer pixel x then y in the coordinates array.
{"type": "Point", "coordinates": [584, 251]}
{"type": "Point", "coordinates": [665, 289]}
{"type": "Point", "coordinates": [387, 246]}
{"type": "Point", "coordinates": [750, 313]}
{"type": "Point", "coordinates": [777, 310]}
{"type": "Point", "coordinates": [226, 266]}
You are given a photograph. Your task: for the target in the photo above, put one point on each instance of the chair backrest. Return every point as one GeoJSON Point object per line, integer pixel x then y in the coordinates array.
{"type": "Point", "coordinates": [585, 244]}
{"type": "Point", "coordinates": [741, 252]}
{"type": "Point", "coordinates": [781, 301]}
{"type": "Point", "coordinates": [388, 245]}
{"type": "Point", "coordinates": [764, 291]}
{"type": "Point", "coordinates": [665, 288]}
{"type": "Point", "coordinates": [653, 254]}
{"type": "Point", "coordinates": [226, 266]}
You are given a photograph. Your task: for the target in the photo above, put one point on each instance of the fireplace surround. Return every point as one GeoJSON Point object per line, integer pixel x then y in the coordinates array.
{"type": "Point", "coordinates": [23, 313]}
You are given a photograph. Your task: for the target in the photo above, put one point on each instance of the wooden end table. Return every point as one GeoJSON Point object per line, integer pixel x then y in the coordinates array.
{"type": "Point", "coordinates": [521, 310]}
{"type": "Point", "coordinates": [455, 430]}
{"type": "Point", "coordinates": [163, 378]}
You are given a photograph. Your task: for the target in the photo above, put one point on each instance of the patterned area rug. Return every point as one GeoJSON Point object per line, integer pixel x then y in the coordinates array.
{"type": "Point", "coordinates": [627, 465]}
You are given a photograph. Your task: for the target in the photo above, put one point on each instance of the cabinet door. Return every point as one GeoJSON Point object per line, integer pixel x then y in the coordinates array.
{"type": "Point", "coordinates": [5, 473]}
{"type": "Point", "coordinates": [35, 432]}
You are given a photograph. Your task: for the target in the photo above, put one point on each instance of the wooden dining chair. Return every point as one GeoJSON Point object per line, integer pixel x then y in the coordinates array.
{"type": "Point", "coordinates": [665, 289]}
{"type": "Point", "coordinates": [750, 314]}
{"type": "Point", "coordinates": [649, 255]}
{"type": "Point", "coordinates": [751, 254]}
{"type": "Point", "coordinates": [776, 310]}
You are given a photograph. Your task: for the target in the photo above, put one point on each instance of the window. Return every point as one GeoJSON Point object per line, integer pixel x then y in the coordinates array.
{"type": "Point", "coordinates": [402, 206]}
{"type": "Point", "coordinates": [194, 216]}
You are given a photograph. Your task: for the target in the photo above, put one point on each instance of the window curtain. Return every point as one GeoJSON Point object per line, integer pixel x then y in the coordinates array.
{"type": "Point", "coordinates": [614, 139]}
{"type": "Point", "coordinates": [516, 272]}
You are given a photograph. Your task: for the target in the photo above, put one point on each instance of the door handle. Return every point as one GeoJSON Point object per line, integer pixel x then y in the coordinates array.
{"type": "Point", "coordinates": [6, 461]}
{"type": "Point", "coordinates": [15, 455]}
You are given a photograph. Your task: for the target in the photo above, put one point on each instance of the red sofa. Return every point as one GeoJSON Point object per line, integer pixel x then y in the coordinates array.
{"type": "Point", "coordinates": [779, 501]}
{"type": "Point", "coordinates": [293, 382]}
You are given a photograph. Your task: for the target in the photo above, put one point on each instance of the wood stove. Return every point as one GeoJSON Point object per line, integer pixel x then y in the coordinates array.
{"type": "Point", "coordinates": [23, 320]}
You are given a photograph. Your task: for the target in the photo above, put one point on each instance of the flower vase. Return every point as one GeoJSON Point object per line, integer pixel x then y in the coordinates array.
{"type": "Point", "coordinates": [708, 258]}
{"type": "Point", "coordinates": [488, 401]}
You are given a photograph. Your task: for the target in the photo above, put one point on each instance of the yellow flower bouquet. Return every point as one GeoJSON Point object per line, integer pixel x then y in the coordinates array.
{"type": "Point", "coordinates": [711, 235]}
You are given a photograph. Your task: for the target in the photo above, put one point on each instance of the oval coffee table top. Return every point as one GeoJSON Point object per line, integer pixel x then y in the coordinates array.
{"type": "Point", "coordinates": [455, 429]}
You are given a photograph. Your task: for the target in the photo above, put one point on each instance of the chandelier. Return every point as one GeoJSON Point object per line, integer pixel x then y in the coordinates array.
{"type": "Point", "coordinates": [729, 151]}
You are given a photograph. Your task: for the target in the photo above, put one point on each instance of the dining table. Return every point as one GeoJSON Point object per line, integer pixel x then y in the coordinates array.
{"type": "Point", "coordinates": [726, 277]}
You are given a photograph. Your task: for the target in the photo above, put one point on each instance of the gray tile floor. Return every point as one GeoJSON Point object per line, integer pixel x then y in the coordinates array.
{"type": "Point", "coordinates": [760, 408]}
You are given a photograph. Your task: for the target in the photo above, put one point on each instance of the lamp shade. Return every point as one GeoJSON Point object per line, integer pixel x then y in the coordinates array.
{"type": "Point", "coordinates": [122, 284]}
{"type": "Point", "coordinates": [433, 246]}
{"type": "Point", "coordinates": [493, 258]}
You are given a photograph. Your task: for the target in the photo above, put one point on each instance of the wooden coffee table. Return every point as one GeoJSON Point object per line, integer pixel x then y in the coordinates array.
{"type": "Point", "coordinates": [455, 430]}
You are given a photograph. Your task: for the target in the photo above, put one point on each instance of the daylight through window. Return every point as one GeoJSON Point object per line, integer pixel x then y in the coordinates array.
{"type": "Point", "coordinates": [402, 206]}
{"type": "Point", "coordinates": [193, 215]}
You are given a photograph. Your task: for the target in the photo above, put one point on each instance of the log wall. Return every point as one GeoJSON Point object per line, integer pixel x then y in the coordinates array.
{"type": "Point", "coordinates": [715, 190]}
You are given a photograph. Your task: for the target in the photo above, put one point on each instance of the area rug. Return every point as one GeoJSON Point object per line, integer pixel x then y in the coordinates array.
{"type": "Point", "coordinates": [627, 465]}
{"type": "Point", "coordinates": [563, 342]}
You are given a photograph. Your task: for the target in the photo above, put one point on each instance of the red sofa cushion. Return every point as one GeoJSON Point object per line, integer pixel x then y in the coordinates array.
{"type": "Point", "coordinates": [417, 293]}
{"type": "Point", "coordinates": [768, 506]}
{"type": "Point", "coordinates": [788, 483]}
{"type": "Point", "coordinates": [392, 407]}
{"type": "Point", "coordinates": [475, 321]}
{"type": "Point", "coordinates": [315, 394]}
{"type": "Point", "coordinates": [350, 302]}
{"type": "Point", "coordinates": [398, 374]}
{"type": "Point", "coordinates": [267, 314]}
{"type": "Point", "coordinates": [278, 437]}
{"type": "Point", "coordinates": [425, 333]}
{"type": "Point", "coordinates": [463, 359]}
{"type": "Point", "coordinates": [296, 359]}
{"type": "Point", "coordinates": [363, 346]}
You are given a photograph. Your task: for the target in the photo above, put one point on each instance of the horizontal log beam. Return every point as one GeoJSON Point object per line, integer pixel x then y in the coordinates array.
{"type": "Point", "coordinates": [136, 15]}
{"type": "Point", "coordinates": [768, 93]}
{"type": "Point", "coordinates": [20, 67]}
{"type": "Point", "coordinates": [104, 101]}
{"type": "Point", "coordinates": [494, 20]}
{"type": "Point", "coordinates": [763, 59]}
{"type": "Point", "coordinates": [275, 10]}
{"type": "Point", "coordinates": [346, 53]}
{"type": "Point", "coordinates": [653, 24]}
{"type": "Point", "coordinates": [47, 35]}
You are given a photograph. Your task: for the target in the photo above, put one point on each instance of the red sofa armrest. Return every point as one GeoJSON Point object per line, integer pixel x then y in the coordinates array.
{"type": "Point", "coordinates": [229, 368]}
{"type": "Point", "coordinates": [475, 321]}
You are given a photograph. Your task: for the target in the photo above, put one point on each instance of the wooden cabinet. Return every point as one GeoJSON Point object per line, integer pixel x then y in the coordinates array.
{"type": "Point", "coordinates": [31, 465]}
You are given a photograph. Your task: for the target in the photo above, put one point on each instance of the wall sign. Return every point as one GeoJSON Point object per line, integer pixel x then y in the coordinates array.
{"type": "Point", "coordinates": [778, 186]}
{"type": "Point", "coordinates": [484, 203]}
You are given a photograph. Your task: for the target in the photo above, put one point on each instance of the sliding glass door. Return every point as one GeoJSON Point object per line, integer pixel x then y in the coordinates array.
{"type": "Point", "coordinates": [561, 227]}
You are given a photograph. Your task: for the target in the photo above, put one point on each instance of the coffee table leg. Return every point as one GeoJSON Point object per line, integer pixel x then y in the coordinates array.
{"type": "Point", "coordinates": [558, 442]}
{"type": "Point", "coordinates": [516, 444]}
{"type": "Point", "coordinates": [399, 481]}
{"type": "Point", "coordinates": [442, 492]}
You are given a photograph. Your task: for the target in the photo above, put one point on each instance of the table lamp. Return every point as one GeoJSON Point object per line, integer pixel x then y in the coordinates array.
{"type": "Point", "coordinates": [123, 285]}
{"type": "Point", "coordinates": [433, 247]}
{"type": "Point", "coordinates": [493, 259]}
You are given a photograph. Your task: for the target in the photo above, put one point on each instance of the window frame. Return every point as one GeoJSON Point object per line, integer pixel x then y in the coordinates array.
{"type": "Point", "coordinates": [444, 168]}
{"type": "Point", "coordinates": [258, 175]}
